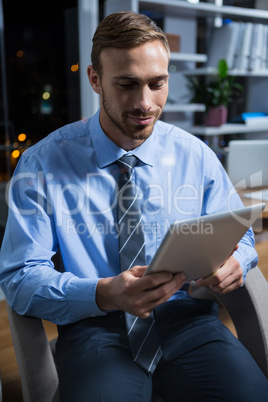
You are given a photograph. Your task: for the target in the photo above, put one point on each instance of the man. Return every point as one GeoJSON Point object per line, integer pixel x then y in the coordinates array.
{"type": "Point", "coordinates": [64, 196]}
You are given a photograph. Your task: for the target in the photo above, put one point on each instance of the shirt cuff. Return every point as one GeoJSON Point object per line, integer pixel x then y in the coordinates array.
{"type": "Point", "coordinates": [246, 262]}
{"type": "Point", "coordinates": [81, 296]}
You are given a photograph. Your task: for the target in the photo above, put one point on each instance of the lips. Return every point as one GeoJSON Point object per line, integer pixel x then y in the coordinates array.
{"type": "Point", "coordinates": [141, 120]}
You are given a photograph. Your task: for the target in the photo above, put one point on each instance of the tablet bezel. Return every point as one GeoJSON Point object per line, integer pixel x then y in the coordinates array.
{"type": "Point", "coordinates": [200, 254]}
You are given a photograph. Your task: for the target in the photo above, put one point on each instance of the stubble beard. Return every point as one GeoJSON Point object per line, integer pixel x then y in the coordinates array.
{"type": "Point", "coordinates": [138, 132]}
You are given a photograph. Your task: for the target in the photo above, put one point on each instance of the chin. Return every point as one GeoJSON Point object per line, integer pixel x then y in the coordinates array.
{"type": "Point", "coordinates": [141, 133]}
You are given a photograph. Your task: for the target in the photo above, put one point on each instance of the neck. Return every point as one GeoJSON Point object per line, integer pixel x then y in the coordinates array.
{"type": "Point", "coordinates": [122, 140]}
{"type": "Point", "coordinates": [128, 144]}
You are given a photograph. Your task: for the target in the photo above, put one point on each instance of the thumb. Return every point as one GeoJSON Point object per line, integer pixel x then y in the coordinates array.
{"type": "Point", "coordinates": [138, 270]}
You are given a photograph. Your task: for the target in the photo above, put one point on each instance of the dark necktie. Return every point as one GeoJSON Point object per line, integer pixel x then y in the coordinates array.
{"type": "Point", "coordinates": [142, 333]}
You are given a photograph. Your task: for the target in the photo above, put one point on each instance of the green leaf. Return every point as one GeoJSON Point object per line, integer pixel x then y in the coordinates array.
{"type": "Point", "coordinates": [222, 68]}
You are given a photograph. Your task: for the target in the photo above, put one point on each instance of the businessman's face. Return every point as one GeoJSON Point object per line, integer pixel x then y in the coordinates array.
{"type": "Point", "coordinates": [133, 89]}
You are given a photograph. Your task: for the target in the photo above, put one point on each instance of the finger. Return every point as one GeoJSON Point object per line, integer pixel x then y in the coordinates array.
{"type": "Point", "coordinates": [138, 270]}
{"type": "Point", "coordinates": [149, 282]}
{"type": "Point", "coordinates": [151, 298]}
{"type": "Point", "coordinates": [236, 248]}
{"type": "Point", "coordinates": [162, 293]}
{"type": "Point", "coordinates": [231, 282]}
{"type": "Point", "coordinates": [156, 278]}
{"type": "Point", "coordinates": [169, 288]}
{"type": "Point", "coordinates": [209, 280]}
{"type": "Point", "coordinates": [230, 266]}
{"type": "Point", "coordinates": [226, 289]}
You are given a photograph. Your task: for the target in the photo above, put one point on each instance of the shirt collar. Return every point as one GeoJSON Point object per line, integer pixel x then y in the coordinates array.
{"type": "Point", "coordinates": [108, 152]}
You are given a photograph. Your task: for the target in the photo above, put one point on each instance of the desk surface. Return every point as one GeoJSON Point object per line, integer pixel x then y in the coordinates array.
{"type": "Point", "coordinates": [251, 201]}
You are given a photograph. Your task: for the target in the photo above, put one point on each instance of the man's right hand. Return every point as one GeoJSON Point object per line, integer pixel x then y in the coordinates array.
{"type": "Point", "coordinates": [135, 293]}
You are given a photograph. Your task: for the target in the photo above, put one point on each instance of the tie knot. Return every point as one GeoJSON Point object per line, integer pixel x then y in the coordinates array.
{"type": "Point", "coordinates": [127, 162]}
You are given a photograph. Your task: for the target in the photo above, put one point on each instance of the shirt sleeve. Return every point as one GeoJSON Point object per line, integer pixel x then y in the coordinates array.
{"type": "Point", "coordinates": [28, 277]}
{"type": "Point", "coordinates": [219, 196]}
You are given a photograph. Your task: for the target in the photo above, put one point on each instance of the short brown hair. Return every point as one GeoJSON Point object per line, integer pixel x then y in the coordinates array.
{"type": "Point", "coordinates": [124, 30]}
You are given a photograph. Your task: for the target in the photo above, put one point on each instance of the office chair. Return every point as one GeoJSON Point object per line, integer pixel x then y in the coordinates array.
{"type": "Point", "coordinates": [247, 306]}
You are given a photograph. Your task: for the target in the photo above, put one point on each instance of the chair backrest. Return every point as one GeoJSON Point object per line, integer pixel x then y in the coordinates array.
{"type": "Point", "coordinates": [247, 307]}
{"type": "Point", "coordinates": [247, 163]}
{"type": "Point", "coordinates": [36, 364]}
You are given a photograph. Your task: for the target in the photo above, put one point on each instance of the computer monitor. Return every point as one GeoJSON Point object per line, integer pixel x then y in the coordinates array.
{"type": "Point", "coordinates": [247, 163]}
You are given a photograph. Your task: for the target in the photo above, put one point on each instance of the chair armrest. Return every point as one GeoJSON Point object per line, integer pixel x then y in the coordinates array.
{"type": "Point", "coordinates": [247, 307]}
{"type": "Point", "coordinates": [35, 361]}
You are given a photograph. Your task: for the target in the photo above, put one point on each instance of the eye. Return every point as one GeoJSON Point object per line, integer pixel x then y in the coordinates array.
{"type": "Point", "coordinates": [129, 85]}
{"type": "Point", "coordinates": [157, 85]}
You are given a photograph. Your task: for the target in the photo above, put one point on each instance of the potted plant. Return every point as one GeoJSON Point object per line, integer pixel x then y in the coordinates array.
{"type": "Point", "coordinates": [216, 94]}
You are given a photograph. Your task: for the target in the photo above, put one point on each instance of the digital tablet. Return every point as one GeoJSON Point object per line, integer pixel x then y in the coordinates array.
{"type": "Point", "coordinates": [199, 246]}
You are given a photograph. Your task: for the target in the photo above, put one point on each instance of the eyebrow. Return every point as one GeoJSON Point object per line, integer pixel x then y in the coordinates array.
{"type": "Point", "coordinates": [134, 78]}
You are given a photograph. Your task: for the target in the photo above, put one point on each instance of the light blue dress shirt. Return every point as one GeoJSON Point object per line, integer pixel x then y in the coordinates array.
{"type": "Point", "coordinates": [63, 195]}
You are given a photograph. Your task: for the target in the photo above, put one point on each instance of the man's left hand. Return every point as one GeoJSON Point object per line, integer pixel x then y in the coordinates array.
{"type": "Point", "coordinates": [228, 278]}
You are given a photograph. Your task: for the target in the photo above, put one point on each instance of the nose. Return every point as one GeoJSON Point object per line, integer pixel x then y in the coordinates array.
{"type": "Point", "coordinates": [143, 101]}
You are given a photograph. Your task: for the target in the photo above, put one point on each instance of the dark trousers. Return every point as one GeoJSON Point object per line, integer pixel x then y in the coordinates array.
{"type": "Point", "coordinates": [202, 360]}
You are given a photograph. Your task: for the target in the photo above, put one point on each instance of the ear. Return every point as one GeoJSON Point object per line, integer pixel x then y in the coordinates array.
{"type": "Point", "coordinates": [94, 79]}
